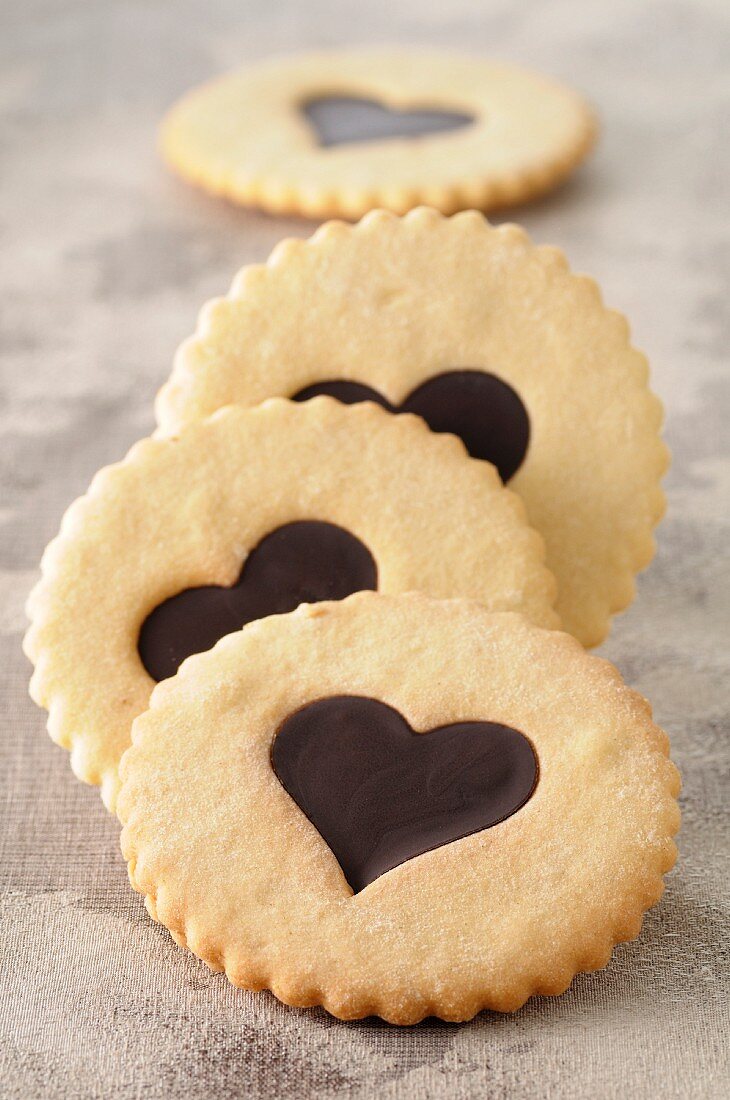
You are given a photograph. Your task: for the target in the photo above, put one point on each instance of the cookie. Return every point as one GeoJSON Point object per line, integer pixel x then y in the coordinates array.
{"type": "Point", "coordinates": [399, 806]}
{"type": "Point", "coordinates": [483, 334]}
{"type": "Point", "coordinates": [248, 514]}
{"type": "Point", "coordinates": [340, 133]}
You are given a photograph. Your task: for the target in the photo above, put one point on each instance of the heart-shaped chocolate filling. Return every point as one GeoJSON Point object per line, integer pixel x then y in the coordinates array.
{"type": "Point", "coordinates": [302, 562]}
{"type": "Point", "coordinates": [339, 120]}
{"type": "Point", "coordinates": [380, 794]}
{"type": "Point", "coordinates": [480, 408]}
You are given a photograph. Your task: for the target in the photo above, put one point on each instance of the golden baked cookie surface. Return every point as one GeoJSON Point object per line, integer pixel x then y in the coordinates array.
{"type": "Point", "coordinates": [392, 303]}
{"type": "Point", "coordinates": [246, 135]}
{"type": "Point", "coordinates": [233, 867]}
{"type": "Point", "coordinates": [188, 513]}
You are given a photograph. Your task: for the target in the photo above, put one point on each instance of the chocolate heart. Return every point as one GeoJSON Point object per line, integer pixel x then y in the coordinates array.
{"type": "Point", "coordinates": [338, 120]}
{"type": "Point", "coordinates": [480, 408]}
{"type": "Point", "coordinates": [302, 562]}
{"type": "Point", "coordinates": [381, 794]}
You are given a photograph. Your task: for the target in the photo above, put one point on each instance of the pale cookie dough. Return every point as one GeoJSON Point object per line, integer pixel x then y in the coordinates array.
{"type": "Point", "coordinates": [247, 135]}
{"type": "Point", "coordinates": [238, 873]}
{"type": "Point", "coordinates": [188, 512]}
{"type": "Point", "coordinates": [390, 303]}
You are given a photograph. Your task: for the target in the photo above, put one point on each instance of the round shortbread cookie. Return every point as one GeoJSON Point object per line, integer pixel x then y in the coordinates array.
{"type": "Point", "coordinates": [399, 806]}
{"type": "Point", "coordinates": [547, 384]}
{"type": "Point", "coordinates": [340, 133]}
{"type": "Point", "coordinates": [250, 513]}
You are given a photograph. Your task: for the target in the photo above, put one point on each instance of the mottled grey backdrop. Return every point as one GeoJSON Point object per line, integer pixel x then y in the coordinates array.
{"type": "Point", "coordinates": [105, 260]}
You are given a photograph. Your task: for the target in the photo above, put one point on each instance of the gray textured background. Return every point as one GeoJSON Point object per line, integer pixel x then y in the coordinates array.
{"type": "Point", "coordinates": [105, 260]}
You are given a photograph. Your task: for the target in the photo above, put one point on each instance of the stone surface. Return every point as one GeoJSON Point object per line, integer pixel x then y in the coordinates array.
{"type": "Point", "coordinates": [105, 261]}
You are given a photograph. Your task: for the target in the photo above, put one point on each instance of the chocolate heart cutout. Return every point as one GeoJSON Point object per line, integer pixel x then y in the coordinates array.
{"type": "Point", "coordinates": [380, 794]}
{"type": "Point", "coordinates": [480, 408]}
{"type": "Point", "coordinates": [302, 562]}
{"type": "Point", "coordinates": [339, 120]}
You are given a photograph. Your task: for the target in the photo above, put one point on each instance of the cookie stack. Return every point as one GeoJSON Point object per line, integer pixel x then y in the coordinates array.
{"type": "Point", "coordinates": [307, 639]}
